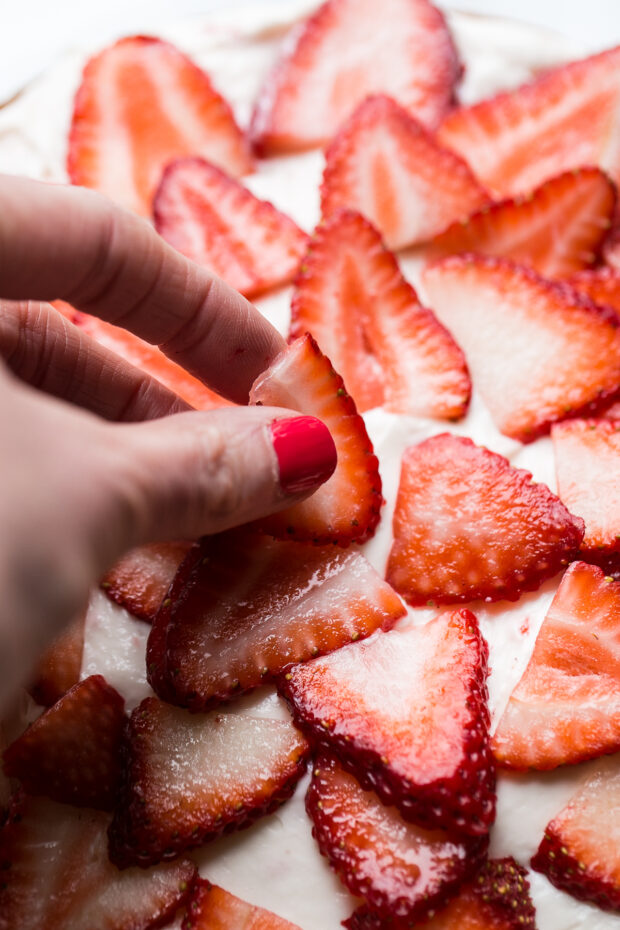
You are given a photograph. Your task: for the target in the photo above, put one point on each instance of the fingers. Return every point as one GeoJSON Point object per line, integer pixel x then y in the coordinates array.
{"type": "Point", "coordinates": [71, 243]}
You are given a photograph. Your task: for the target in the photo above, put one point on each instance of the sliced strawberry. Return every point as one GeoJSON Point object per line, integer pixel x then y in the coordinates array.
{"type": "Point", "coordinates": [469, 525]}
{"type": "Point", "coordinates": [564, 119]}
{"type": "Point", "coordinates": [557, 229]}
{"type": "Point", "coordinates": [566, 708]}
{"type": "Point", "coordinates": [347, 507]}
{"type": "Point", "coordinates": [346, 50]}
{"type": "Point", "coordinates": [498, 898]}
{"type": "Point", "coordinates": [55, 874]}
{"type": "Point", "coordinates": [386, 165]}
{"type": "Point", "coordinates": [602, 285]}
{"type": "Point", "coordinates": [390, 350]}
{"type": "Point", "coordinates": [71, 753]}
{"type": "Point", "coordinates": [401, 870]}
{"type": "Point", "coordinates": [611, 247]}
{"type": "Point", "coordinates": [245, 607]}
{"type": "Point", "coordinates": [406, 712]}
{"type": "Point", "coordinates": [140, 580]}
{"type": "Point", "coordinates": [217, 222]}
{"type": "Point", "coordinates": [537, 350]}
{"type": "Point", "coordinates": [580, 851]}
{"type": "Point", "coordinates": [59, 667]}
{"type": "Point", "coordinates": [141, 104]}
{"type": "Point", "coordinates": [186, 779]}
{"type": "Point", "coordinates": [212, 908]}
{"type": "Point", "coordinates": [150, 359]}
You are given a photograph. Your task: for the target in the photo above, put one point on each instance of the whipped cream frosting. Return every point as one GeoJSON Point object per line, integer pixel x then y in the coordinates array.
{"type": "Point", "coordinates": [276, 863]}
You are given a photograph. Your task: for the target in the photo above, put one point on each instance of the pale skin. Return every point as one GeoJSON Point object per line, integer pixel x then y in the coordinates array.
{"type": "Point", "coordinates": [81, 481]}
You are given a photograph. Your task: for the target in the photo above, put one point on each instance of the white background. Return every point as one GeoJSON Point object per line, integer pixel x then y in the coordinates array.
{"type": "Point", "coordinates": [33, 33]}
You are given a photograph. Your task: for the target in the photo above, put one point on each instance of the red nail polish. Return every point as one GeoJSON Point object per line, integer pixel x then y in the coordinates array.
{"type": "Point", "coordinates": [306, 453]}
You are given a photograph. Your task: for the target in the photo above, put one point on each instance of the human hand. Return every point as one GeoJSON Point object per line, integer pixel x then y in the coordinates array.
{"type": "Point", "coordinates": [78, 490]}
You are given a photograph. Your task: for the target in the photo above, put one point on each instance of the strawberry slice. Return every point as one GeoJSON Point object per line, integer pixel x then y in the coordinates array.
{"type": "Point", "coordinates": [245, 607]}
{"type": "Point", "coordinates": [347, 507]}
{"type": "Point", "coordinates": [140, 580]}
{"type": "Point", "coordinates": [586, 460]}
{"type": "Point", "coordinates": [141, 104]}
{"type": "Point", "coordinates": [150, 359]}
{"type": "Point", "coordinates": [216, 221]}
{"type": "Point", "coordinates": [564, 119]}
{"type": "Point", "coordinates": [602, 285]}
{"type": "Point", "coordinates": [566, 708]}
{"type": "Point", "coordinates": [59, 667]}
{"type": "Point", "coordinates": [401, 870]}
{"type": "Point", "coordinates": [212, 908]}
{"type": "Point", "coordinates": [406, 712]}
{"type": "Point", "coordinates": [71, 753]}
{"type": "Point", "coordinates": [537, 350]}
{"type": "Point", "coordinates": [185, 781]}
{"type": "Point", "coordinates": [498, 898]}
{"type": "Point", "coordinates": [611, 247]}
{"type": "Point", "coordinates": [345, 51]}
{"type": "Point", "coordinates": [386, 165]}
{"type": "Point", "coordinates": [55, 874]}
{"type": "Point", "coordinates": [468, 525]}
{"type": "Point", "coordinates": [557, 229]}
{"type": "Point", "coordinates": [390, 350]}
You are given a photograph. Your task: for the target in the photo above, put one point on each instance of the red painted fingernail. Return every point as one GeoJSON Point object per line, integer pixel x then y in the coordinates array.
{"type": "Point", "coordinates": [306, 453]}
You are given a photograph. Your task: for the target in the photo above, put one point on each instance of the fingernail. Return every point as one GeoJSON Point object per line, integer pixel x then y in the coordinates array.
{"type": "Point", "coordinates": [306, 453]}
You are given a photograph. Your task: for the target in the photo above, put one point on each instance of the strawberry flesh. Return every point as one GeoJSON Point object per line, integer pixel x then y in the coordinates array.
{"type": "Point", "coordinates": [212, 908]}
{"type": "Point", "coordinates": [139, 581]}
{"type": "Point", "coordinates": [59, 667]}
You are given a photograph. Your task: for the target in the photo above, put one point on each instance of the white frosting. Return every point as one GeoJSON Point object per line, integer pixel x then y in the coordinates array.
{"type": "Point", "coordinates": [276, 863]}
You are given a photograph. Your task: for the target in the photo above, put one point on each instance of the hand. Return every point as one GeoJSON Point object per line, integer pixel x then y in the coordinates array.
{"type": "Point", "coordinates": [78, 490]}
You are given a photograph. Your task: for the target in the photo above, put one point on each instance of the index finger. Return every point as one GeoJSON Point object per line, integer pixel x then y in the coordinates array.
{"type": "Point", "coordinates": [74, 244]}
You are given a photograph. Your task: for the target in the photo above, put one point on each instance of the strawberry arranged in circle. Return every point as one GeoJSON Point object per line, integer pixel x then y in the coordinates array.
{"type": "Point", "coordinates": [345, 51]}
{"type": "Point", "coordinates": [59, 667]}
{"type": "Point", "coordinates": [498, 898]}
{"type": "Point", "coordinates": [215, 221]}
{"type": "Point", "coordinates": [386, 165]}
{"type": "Point", "coordinates": [390, 350]}
{"type": "Point", "coordinates": [557, 229]}
{"type": "Point", "coordinates": [245, 607]}
{"type": "Point", "coordinates": [406, 712]}
{"type": "Point", "coordinates": [71, 753]}
{"type": "Point", "coordinates": [537, 350]}
{"type": "Point", "coordinates": [141, 104]}
{"type": "Point", "coordinates": [139, 581]}
{"type": "Point", "coordinates": [212, 908]}
{"type": "Point", "coordinates": [580, 851]}
{"type": "Point", "coordinates": [347, 507]}
{"type": "Point", "coordinates": [55, 874]}
{"type": "Point", "coordinates": [564, 119]}
{"type": "Point", "coordinates": [566, 708]}
{"type": "Point", "coordinates": [469, 525]}
{"type": "Point", "coordinates": [190, 777]}
{"type": "Point", "coordinates": [401, 870]}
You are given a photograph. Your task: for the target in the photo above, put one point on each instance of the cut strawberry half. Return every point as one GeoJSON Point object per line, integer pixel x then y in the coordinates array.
{"type": "Point", "coordinates": [566, 708]}
{"type": "Point", "coordinates": [59, 667]}
{"type": "Point", "coordinates": [537, 350]}
{"type": "Point", "coordinates": [152, 361]}
{"type": "Point", "coordinates": [557, 229]}
{"type": "Point", "coordinates": [212, 908]}
{"type": "Point", "coordinates": [586, 461]}
{"type": "Point", "coordinates": [498, 898]}
{"type": "Point", "coordinates": [141, 104]}
{"type": "Point", "coordinates": [347, 507]}
{"type": "Point", "coordinates": [216, 221]}
{"type": "Point", "coordinates": [390, 350]}
{"type": "Point", "coordinates": [469, 525]}
{"type": "Point", "coordinates": [140, 580]}
{"type": "Point", "coordinates": [345, 51]}
{"type": "Point", "coordinates": [186, 780]}
{"type": "Point", "coordinates": [55, 874]}
{"type": "Point", "coordinates": [387, 166]}
{"type": "Point", "coordinates": [71, 753]}
{"type": "Point", "coordinates": [565, 119]}
{"type": "Point", "coordinates": [406, 712]}
{"type": "Point", "coordinates": [401, 870]}
{"type": "Point", "coordinates": [245, 607]}
{"type": "Point", "coordinates": [580, 851]}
